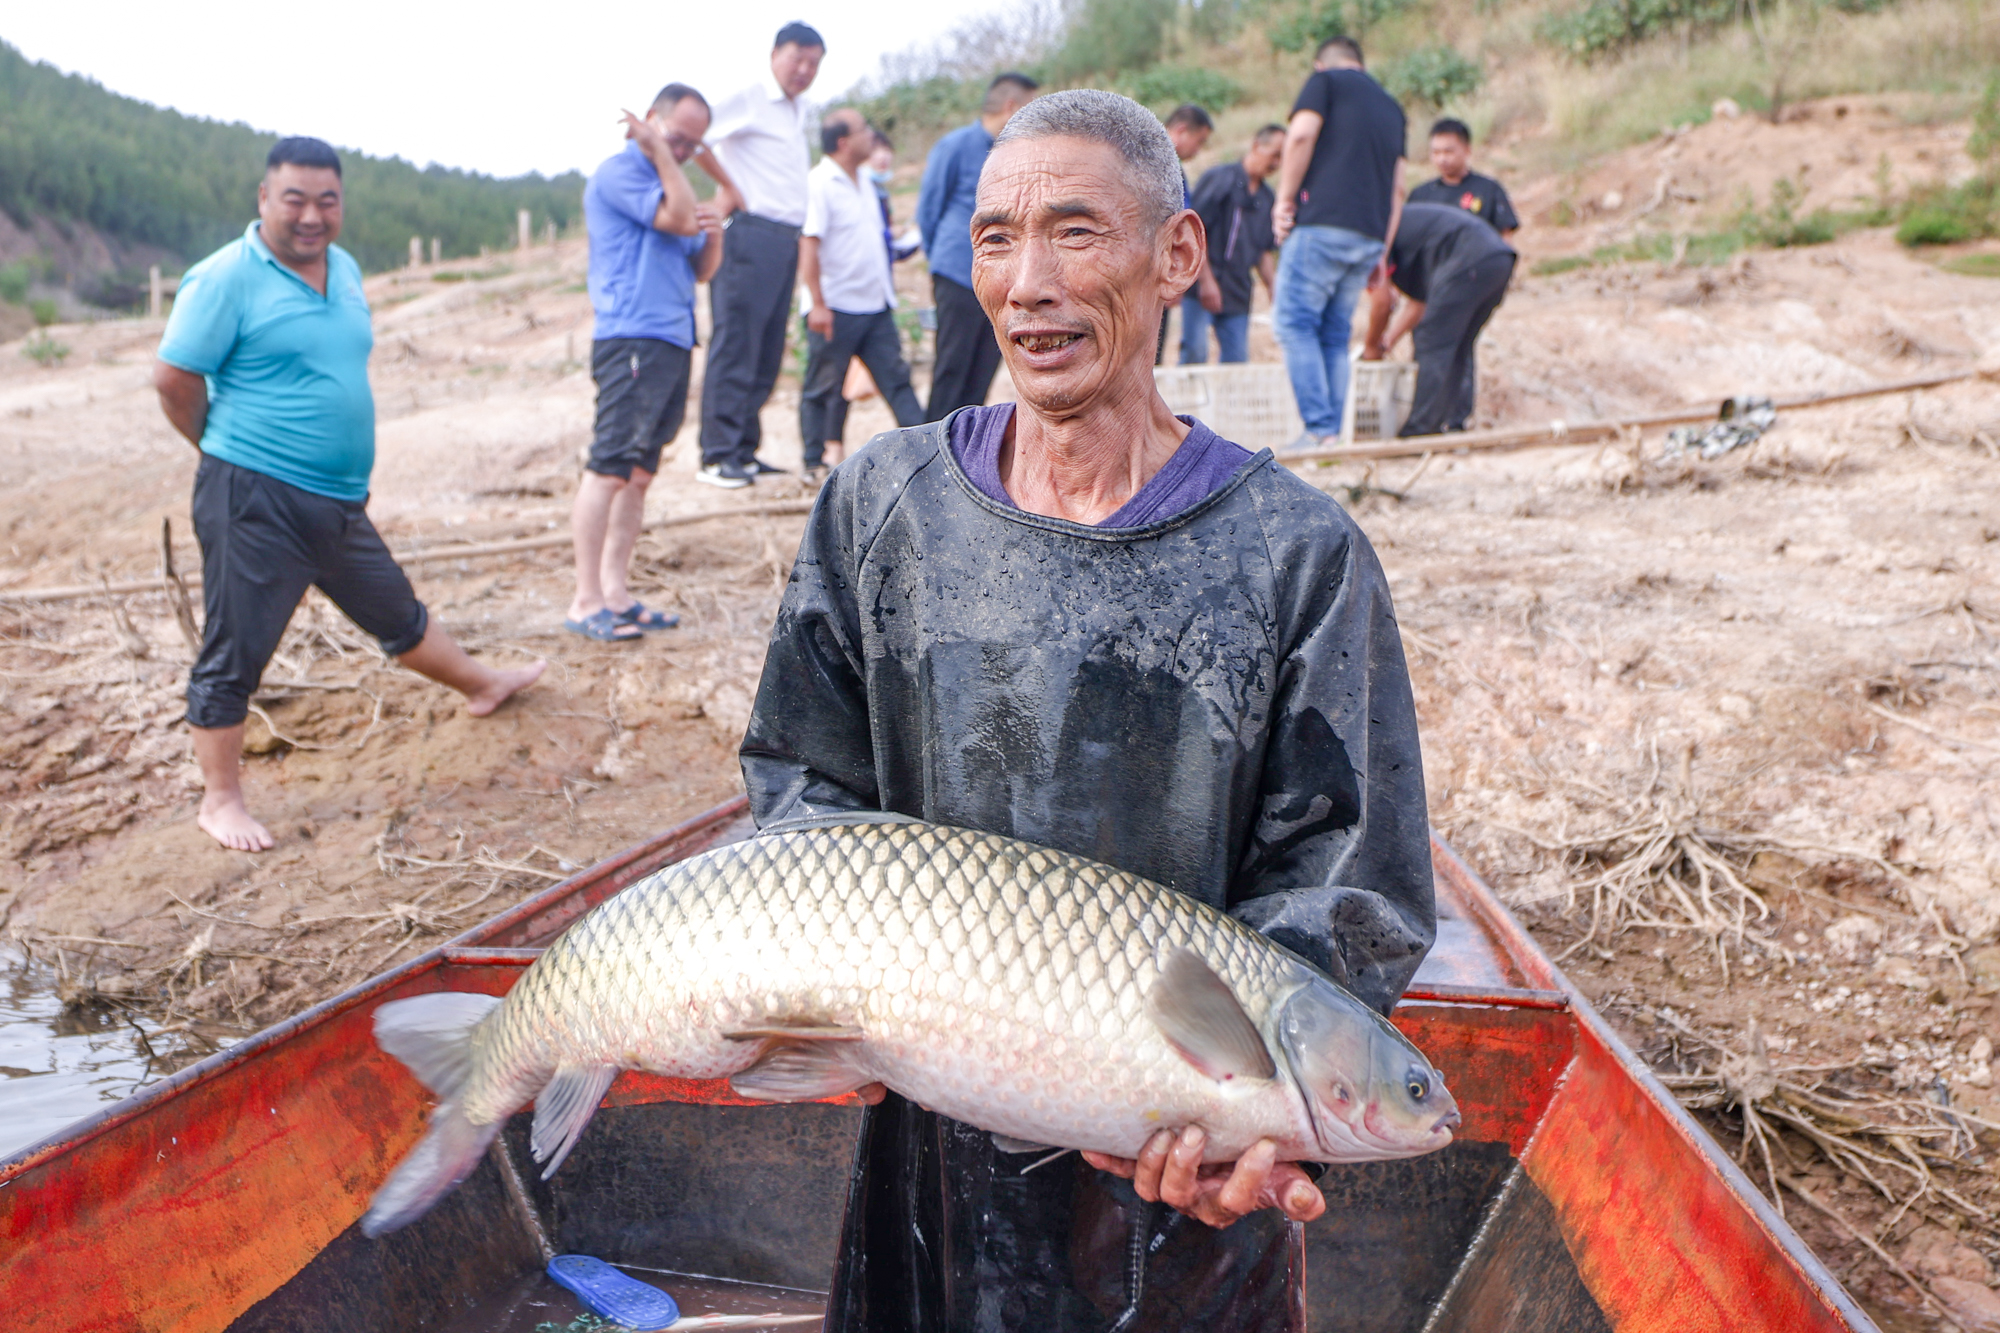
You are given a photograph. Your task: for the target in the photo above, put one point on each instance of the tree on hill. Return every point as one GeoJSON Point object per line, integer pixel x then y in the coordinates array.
{"type": "Point", "coordinates": [72, 151]}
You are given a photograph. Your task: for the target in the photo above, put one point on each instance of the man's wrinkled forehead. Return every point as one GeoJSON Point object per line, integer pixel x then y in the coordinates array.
{"type": "Point", "coordinates": [1030, 179]}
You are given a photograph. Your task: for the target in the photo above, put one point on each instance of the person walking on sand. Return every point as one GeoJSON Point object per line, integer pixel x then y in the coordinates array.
{"type": "Point", "coordinates": [264, 368]}
{"type": "Point", "coordinates": [1340, 193]}
{"type": "Point", "coordinates": [967, 354]}
{"type": "Point", "coordinates": [845, 269]}
{"type": "Point", "coordinates": [758, 158]}
{"type": "Point", "coordinates": [650, 243]}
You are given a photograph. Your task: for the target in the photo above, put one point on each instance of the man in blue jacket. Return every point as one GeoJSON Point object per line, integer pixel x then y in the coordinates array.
{"type": "Point", "coordinates": [967, 355]}
{"type": "Point", "coordinates": [264, 368]}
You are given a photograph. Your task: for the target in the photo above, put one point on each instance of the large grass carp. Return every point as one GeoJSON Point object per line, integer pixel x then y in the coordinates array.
{"type": "Point", "coordinates": [1051, 1000]}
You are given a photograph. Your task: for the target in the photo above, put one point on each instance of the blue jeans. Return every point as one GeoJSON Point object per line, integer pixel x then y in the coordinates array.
{"type": "Point", "coordinates": [1232, 334]}
{"type": "Point", "coordinates": [1321, 274]}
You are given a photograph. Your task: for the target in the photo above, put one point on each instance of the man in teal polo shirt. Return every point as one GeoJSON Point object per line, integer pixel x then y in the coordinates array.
{"type": "Point", "coordinates": [264, 368]}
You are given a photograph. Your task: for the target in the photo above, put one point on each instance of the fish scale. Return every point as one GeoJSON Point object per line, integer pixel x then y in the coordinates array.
{"type": "Point", "coordinates": [1013, 987]}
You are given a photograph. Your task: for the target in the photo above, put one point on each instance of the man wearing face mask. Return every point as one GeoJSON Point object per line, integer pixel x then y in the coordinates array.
{"type": "Point", "coordinates": [757, 156]}
{"type": "Point", "coordinates": [1085, 622]}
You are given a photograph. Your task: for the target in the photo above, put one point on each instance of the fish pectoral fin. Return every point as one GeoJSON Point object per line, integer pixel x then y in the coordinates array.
{"type": "Point", "coordinates": [563, 1108]}
{"type": "Point", "coordinates": [1015, 1146]}
{"type": "Point", "coordinates": [800, 1074]}
{"type": "Point", "coordinates": [800, 1031]}
{"type": "Point", "coordinates": [1203, 1020]}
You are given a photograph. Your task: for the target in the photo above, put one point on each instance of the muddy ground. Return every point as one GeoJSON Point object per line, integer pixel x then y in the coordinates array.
{"type": "Point", "coordinates": [1726, 733]}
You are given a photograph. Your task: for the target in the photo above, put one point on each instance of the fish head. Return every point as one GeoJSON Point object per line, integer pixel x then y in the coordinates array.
{"type": "Point", "coordinates": [1369, 1092]}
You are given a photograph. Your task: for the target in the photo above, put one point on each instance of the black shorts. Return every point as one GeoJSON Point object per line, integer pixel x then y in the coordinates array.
{"type": "Point", "coordinates": [642, 394]}
{"type": "Point", "coordinates": [263, 543]}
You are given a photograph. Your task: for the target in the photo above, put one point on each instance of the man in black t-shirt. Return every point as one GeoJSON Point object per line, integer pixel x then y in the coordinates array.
{"type": "Point", "coordinates": [1340, 192]}
{"type": "Point", "coordinates": [1457, 185]}
{"type": "Point", "coordinates": [1234, 205]}
{"type": "Point", "coordinates": [1454, 269]}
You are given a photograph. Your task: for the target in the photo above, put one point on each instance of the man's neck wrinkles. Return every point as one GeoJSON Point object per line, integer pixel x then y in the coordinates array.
{"type": "Point", "coordinates": [1087, 466]}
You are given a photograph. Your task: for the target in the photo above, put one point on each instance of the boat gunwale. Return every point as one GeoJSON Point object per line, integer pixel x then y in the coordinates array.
{"type": "Point", "coordinates": [464, 947]}
{"type": "Point", "coordinates": [1547, 987]}
{"type": "Point", "coordinates": [1508, 932]}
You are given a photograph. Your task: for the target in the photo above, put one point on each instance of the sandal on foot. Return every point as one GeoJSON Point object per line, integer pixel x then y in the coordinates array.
{"type": "Point", "coordinates": [603, 626]}
{"type": "Point", "coordinates": [637, 614]}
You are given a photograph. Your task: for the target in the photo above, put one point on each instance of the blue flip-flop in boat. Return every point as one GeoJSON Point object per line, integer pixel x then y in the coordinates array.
{"type": "Point", "coordinates": [612, 1295]}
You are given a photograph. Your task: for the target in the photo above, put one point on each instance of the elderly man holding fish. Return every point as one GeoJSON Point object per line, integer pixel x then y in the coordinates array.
{"type": "Point", "coordinates": [1084, 622]}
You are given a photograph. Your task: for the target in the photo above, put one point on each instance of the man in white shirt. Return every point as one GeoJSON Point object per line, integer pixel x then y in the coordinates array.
{"type": "Point", "coordinates": [758, 158]}
{"type": "Point", "coordinates": [845, 268]}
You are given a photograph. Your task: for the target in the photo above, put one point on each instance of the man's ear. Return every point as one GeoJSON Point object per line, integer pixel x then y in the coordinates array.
{"type": "Point", "coordinates": [1183, 242]}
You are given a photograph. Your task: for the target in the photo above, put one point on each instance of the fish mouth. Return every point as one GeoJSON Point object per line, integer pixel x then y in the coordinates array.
{"type": "Point", "coordinates": [1448, 1122]}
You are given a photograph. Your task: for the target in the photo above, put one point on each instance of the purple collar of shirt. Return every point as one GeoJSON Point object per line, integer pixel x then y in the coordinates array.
{"type": "Point", "coordinates": [1203, 465]}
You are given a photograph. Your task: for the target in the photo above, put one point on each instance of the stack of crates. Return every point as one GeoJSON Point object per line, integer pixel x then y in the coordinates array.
{"type": "Point", "coordinates": [1252, 404]}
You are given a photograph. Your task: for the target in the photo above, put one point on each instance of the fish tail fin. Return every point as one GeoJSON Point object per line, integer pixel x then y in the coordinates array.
{"type": "Point", "coordinates": [432, 1034]}
{"type": "Point", "coordinates": [450, 1149]}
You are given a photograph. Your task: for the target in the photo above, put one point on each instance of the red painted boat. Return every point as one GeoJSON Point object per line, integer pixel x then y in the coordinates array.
{"type": "Point", "coordinates": [1578, 1197]}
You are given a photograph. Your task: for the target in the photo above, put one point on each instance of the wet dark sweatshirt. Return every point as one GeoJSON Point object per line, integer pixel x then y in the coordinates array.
{"type": "Point", "coordinates": [1216, 700]}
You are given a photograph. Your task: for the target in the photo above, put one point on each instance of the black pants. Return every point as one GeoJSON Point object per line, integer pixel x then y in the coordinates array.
{"type": "Point", "coordinates": [263, 543]}
{"type": "Point", "coordinates": [873, 338]}
{"type": "Point", "coordinates": [642, 392]}
{"type": "Point", "coordinates": [749, 300]}
{"type": "Point", "coordinates": [1462, 300]}
{"type": "Point", "coordinates": [944, 1234]}
{"type": "Point", "coordinates": [967, 352]}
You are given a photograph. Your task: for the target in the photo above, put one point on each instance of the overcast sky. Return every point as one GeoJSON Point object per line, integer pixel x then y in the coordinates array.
{"type": "Point", "coordinates": [502, 87]}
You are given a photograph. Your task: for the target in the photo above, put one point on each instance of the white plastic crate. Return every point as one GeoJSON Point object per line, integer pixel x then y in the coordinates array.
{"type": "Point", "coordinates": [1252, 404]}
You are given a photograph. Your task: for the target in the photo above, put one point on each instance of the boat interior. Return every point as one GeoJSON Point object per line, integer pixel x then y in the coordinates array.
{"type": "Point", "coordinates": [1577, 1197]}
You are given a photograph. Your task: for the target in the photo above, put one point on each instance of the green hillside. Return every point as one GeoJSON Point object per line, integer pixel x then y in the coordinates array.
{"type": "Point", "coordinates": [1565, 79]}
{"type": "Point", "coordinates": [73, 152]}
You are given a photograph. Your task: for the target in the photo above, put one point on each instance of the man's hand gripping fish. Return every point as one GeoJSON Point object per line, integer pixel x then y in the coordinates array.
{"type": "Point", "coordinates": [1053, 1001]}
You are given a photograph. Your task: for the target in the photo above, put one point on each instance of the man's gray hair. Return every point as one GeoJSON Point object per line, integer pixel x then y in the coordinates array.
{"type": "Point", "coordinates": [1107, 118]}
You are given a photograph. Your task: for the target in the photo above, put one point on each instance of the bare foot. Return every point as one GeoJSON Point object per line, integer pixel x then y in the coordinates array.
{"type": "Point", "coordinates": [505, 685]}
{"type": "Point", "coordinates": [229, 822]}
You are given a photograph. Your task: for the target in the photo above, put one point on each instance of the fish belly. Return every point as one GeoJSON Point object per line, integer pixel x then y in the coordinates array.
{"type": "Point", "coordinates": [996, 982]}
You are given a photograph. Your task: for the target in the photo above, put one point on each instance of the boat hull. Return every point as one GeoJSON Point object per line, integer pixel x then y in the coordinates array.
{"type": "Point", "coordinates": [1578, 1196]}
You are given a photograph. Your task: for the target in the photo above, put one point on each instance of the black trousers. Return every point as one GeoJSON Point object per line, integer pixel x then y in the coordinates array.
{"type": "Point", "coordinates": [749, 301]}
{"type": "Point", "coordinates": [944, 1234]}
{"type": "Point", "coordinates": [1462, 300]}
{"type": "Point", "coordinates": [263, 543]}
{"type": "Point", "coordinates": [873, 338]}
{"type": "Point", "coordinates": [967, 352]}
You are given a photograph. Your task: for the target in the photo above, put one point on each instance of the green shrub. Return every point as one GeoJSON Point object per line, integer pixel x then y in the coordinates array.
{"type": "Point", "coordinates": [1932, 225]}
{"type": "Point", "coordinates": [14, 283]}
{"type": "Point", "coordinates": [1112, 37]}
{"type": "Point", "coordinates": [1433, 75]}
{"type": "Point", "coordinates": [44, 350]}
{"type": "Point", "coordinates": [934, 104]}
{"type": "Point", "coordinates": [1300, 25]}
{"type": "Point", "coordinates": [1604, 26]}
{"type": "Point", "coordinates": [44, 311]}
{"type": "Point", "coordinates": [1984, 265]}
{"type": "Point", "coordinates": [1938, 216]}
{"type": "Point", "coordinates": [1546, 268]}
{"type": "Point", "coordinates": [1164, 87]}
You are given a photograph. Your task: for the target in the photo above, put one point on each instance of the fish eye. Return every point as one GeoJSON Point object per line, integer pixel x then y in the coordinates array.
{"type": "Point", "coordinates": [1417, 1090]}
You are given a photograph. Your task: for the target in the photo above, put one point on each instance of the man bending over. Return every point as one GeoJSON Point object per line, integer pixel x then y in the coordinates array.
{"type": "Point", "coordinates": [264, 368]}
